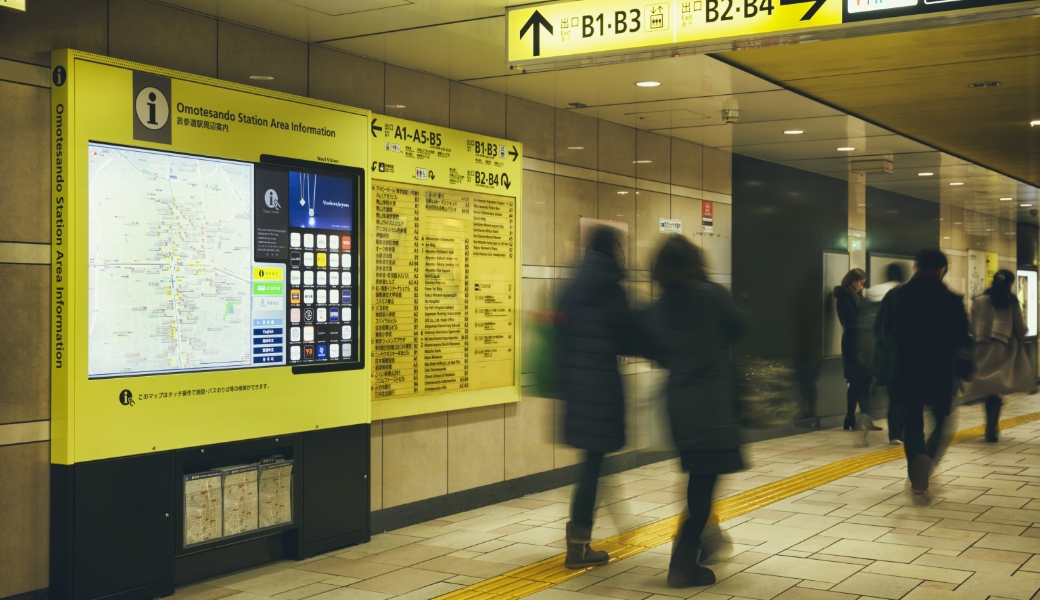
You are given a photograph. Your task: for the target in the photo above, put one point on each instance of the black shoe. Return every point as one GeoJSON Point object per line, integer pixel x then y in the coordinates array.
{"type": "Point", "coordinates": [694, 576]}
{"type": "Point", "coordinates": [993, 405]}
{"type": "Point", "coordinates": [850, 423]}
{"type": "Point", "coordinates": [920, 469]}
{"type": "Point", "coordinates": [580, 554]}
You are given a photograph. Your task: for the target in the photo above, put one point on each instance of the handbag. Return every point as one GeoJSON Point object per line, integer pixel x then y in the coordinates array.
{"type": "Point", "coordinates": [544, 356]}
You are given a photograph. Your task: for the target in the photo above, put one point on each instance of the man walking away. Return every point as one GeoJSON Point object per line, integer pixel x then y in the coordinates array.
{"type": "Point", "coordinates": [931, 332]}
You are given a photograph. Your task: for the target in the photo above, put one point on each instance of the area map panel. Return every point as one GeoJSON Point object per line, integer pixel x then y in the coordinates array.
{"type": "Point", "coordinates": [443, 295]}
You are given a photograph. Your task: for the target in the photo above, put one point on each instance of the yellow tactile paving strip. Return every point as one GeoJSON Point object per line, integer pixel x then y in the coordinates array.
{"type": "Point", "coordinates": [550, 572]}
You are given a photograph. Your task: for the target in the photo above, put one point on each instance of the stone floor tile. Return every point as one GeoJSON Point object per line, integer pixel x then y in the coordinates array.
{"type": "Point", "coordinates": [775, 538]}
{"type": "Point", "coordinates": [470, 567]}
{"type": "Point", "coordinates": [518, 554]}
{"type": "Point", "coordinates": [431, 591]}
{"type": "Point", "coordinates": [459, 539]}
{"type": "Point", "coordinates": [201, 591]}
{"type": "Point", "coordinates": [1009, 515]}
{"type": "Point", "coordinates": [877, 586]}
{"type": "Point", "coordinates": [346, 593]}
{"type": "Point", "coordinates": [1007, 587]}
{"type": "Point", "coordinates": [538, 536]}
{"type": "Point", "coordinates": [524, 503]}
{"type": "Point", "coordinates": [749, 558]}
{"type": "Point", "coordinates": [925, 541]}
{"type": "Point", "coordinates": [802, 568]}
{"type": "Point", "coordinates": [913, 571]}
{"type": "Point", "coordinates": [842, 559]}
{"type": "Point", "coordinates": [649, 584]}
{"type": "Point", "coordinates": [953, 534]}
{"type": "Point", "coordinates": [875, 550]}
{"type": "Point", "coordinates": [613, 592]}
{"type": "Point", "coordinates": [854, 531]}
{"type": "Point", "coordinates": [814, 585]}
{"type": "Point", "coordinates": [401, 581]}
{"type": "Point", "coordinates": [489, 546]}
{"type": "Point", "coordinates": [1011, 543]}
{"type": "Point", "coordinates": [750, 585]}
{"type": "Point", "coordinates": [862, 519]}
{"type": "Point", "coordinates": [982, 527]}
{"type": "Point", "coordinates": [801, 593]}
{"type": "Point", "coordinates": [276, 582]}
{"type": "Point", "coordinates": [406, 556]}
{"type": "Point", "coordinates": [306, 591]}
{"type": "Point", "coordinates": [646, 571]}
{"type": "Point", "coordinates": [345, 567]}
{"type": "Point", "coordinates": [1005, 556]}
{"type": "Point", "coordinates": [486, 523]}
{"type": "Point", "coordinates": [997, 500]}
{"type": "Point", "coordinates": [924, 593]}
{"type": "Point", "coordinates": [974, 507]}
{"type": "Point", "coordinates": [580, 582]}
{"type": "Point", "coordinates": [938, 585]}
{"type": "Point", "coordinates": [815, 523]}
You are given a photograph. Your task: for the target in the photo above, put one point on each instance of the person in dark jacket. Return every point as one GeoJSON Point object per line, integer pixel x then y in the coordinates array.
{"type": "Point", "coordinates": [895, 275]}
{"type": "Point", "coordinates": [596, 329]}
{"type": "Point", "coordinates": [847, 297]}
{"type": "Point", "coordinates": [690, 331]}
{"type": "Point", "coordinates": [932, 343]}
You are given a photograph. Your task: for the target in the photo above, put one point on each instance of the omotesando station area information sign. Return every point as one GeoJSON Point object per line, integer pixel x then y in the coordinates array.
{"type": "Point", "coordinates": [588, 27]}
{"type": "Point", "coordinates": [208, 261]}
{"type": "Point", "coordinates": [444, 295]}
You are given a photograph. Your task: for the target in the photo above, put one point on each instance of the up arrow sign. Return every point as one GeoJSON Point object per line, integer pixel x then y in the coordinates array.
{"type": "Point", "coordinates": [536, 20]}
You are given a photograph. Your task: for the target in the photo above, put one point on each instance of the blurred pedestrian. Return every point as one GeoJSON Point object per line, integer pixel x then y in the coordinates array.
{"type": "Point", "coordinates": [895, 275]}
{"type": "Point", "coordinates": [596, 328]}
{"type": "Point", "coordinates": [1001, 362]}
{"type": "Point", "coordinates": [848, 297]}
{"type": "Point", "coordinates": [932, 351]}
{"type": "Point", "coordinates": [690, 331]}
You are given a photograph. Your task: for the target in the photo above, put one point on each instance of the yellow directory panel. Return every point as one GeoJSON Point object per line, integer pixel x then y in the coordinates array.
{"type": "Point", "coordinates": [588, 27]}
{"type": "Point", "coordinates": [208, 261]}
{"type": "Point", "coordinates": [445, 284]}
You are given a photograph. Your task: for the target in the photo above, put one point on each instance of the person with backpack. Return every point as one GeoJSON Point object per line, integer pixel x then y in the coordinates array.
{"type": "Point", "coordinates": [1001, 362]}
{"type": "Point", "coordinates": [595, 328]}
{"type": "Point", "coordinates": [924, 348]}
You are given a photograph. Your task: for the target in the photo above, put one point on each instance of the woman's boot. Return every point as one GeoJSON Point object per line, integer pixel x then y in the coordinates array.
{"type": "Point", "coordinates": [684, 571]}
{"type": "Point", "coordinates": [993, 404]}
{"type": "Point", "coordinates": [579, 554]}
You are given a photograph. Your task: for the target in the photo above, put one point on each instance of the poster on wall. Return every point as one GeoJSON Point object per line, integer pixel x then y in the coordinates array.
{"type": "Point", "coordinates": [1027, 297]}
{"type": "Point", "coordinates": [976, 274]}
{"type": "Point", "coordinates": [588, 226]}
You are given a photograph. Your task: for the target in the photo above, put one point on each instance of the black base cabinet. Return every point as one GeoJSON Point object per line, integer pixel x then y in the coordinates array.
{"type": "Point", "coordinates": [117, 525]}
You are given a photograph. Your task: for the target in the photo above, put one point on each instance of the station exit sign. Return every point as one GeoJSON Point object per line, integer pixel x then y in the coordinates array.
{"type": "Point", "coordinates": [13, 4]}
{"type": "Point", "coordinates": [577, 28]}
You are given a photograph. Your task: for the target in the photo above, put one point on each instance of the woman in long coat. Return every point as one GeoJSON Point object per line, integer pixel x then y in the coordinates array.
{"type": "Point", "coordinates": [690, 331]}
{"type": "Point", "coordinates": [596, 328]}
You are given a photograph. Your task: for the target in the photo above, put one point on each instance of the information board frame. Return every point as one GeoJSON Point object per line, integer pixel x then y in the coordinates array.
{"type": "Point", "coordinates": [110, 101]}
{"type": "Point", "coordinates": [419, 154]}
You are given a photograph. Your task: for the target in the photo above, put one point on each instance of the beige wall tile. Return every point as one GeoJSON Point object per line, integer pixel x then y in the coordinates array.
{"type": "Point", "coordinates": [476, 447]}
{"type": "Point", "coordinates": [650, 208]}
{"type": "Point", "coordinates": [619, 204]}
{"type": "Point", "coordinates": [537, 296]}
{"type": "Point", "coordinates": [687, 164]}
{"type": "Point", "coordinates": [529, 445]}
{"type": "Point", "coordinates": [718, 246]}
{"type": "Point", "coordinates": [617, 148]}
{"type": "Point", "coordinates": [52, 24]}
{"type": "Point", "coordinates": [244, 52]}
{"type": "Point", "coordinates": [25, 163]}
{"type": "Point", "coordinates": [657, 149]}
{"type": "Point", "coordinates": [575, 198]}
{"type": "Point", "coordinates": [415, 458]}
{"type": "Point", "coordinates": [689, 212]}
{"type": "Point", "coordinates": [477, 110]}
{"type": "Point", "coordinates": [533, 125]}
{"type": "Point", "coordinates": [957, 239]}
{"type": "Point", "coordinates": [424, 97]}
{"type": "Point", "coordinates": [346, 79]}
{"type": "Point", "coordinates": [564, 455]}
{"type": "Point", "coordinates": [718, 171]}
{"type": "Point", "coordinates": [539, 208]}
{"type": "Point", "coordinates": [25, 344]}
{"type": "Point", "coordinates": [577, 137]}
{"type": "Point", "coordinates": [24, 504]}
{"type": "Point", "coordinates": [376, 476]}
{"type": "Point", "coordinates": [155, 35]}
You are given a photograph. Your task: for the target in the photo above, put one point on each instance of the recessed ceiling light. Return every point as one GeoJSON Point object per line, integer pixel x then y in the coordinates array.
{"type": "Point", "coordinates": [946, 237]}
{"type": "Point", "coordinates": [1025, 205]}
{"type": "Point", "coordinates": [794, 132]}
{"type": "Point", "coordinates": [846, 149]}
{"type": "Point", "coordinates": [1006, 199]}
{"type": "Point", "coordinates": [956, 183]}
{"type": "Point", "coordinates": [575, 147]}
{"type": "Point", "coordinates": [984, 84]}
{"type": "Point", "coordinates": [925, 174]}
{"type": "Point", "coordinates": [641, 162]}
{"type": "Point", "coordinates": [1035, 123]}
{"type": "Point", "coordinates": [958, 223]}
{"type": "Point", "coordinates": [622, 192]}
{"type": "Point", "coordinates": [648, 83]}
{"type": "Point", "coordinates": [262, 77]}
{"type": "Point", "coordinates": [396, 106]}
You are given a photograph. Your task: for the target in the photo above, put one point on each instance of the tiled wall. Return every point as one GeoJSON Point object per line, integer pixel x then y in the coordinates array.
{"type": "Point", "coordinates": [412, 458]}
{"type": "Point", "coordinates": [961, 229]}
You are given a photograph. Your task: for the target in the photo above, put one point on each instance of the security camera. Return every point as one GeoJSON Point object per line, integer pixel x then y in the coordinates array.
{"type": "Point", "coordinates": [730, 115]}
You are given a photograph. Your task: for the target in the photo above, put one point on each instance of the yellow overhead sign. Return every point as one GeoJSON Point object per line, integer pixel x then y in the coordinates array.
{"type": "Point", "coordinates": [13, 4]}
{"type": "Point", "coordinates": [581, 28]}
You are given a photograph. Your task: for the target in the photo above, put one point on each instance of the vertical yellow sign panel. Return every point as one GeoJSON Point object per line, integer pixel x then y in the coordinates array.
{"type": "Point", "coordinates": [445, 286]}
{"type": "Point", "coordinates": [565, 29]}
{"type": "Point", "coordinates": [13, 4]}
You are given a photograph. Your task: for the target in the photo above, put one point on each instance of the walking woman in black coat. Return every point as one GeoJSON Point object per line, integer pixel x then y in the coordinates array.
{"type": "Point", "coordinates": [690, 331]}
{"type": "Point", "coordinates": [847, 297]}
{"type": "Point", "coordinates": [596, 329]}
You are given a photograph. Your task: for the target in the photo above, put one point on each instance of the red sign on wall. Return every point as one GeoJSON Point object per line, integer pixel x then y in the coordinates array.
{"type": "Point", "coordinates": [708, 217]}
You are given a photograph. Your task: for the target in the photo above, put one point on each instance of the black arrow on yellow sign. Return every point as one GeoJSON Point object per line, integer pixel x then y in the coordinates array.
{"type": "Point", "coordinates": [817, 5]}
{"type": "Point", "coordinates": [536, 20]}
{"type": "Point", "coordinates": [514, 153]}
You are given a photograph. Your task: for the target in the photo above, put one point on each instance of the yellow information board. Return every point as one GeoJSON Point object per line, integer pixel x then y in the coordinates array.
{"type": "Point", "coordinates": [445, 286]}
{"type": "Point", "coordinates": [208, 261]}
{"type": "Point", "coordinates": [587, 27]}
